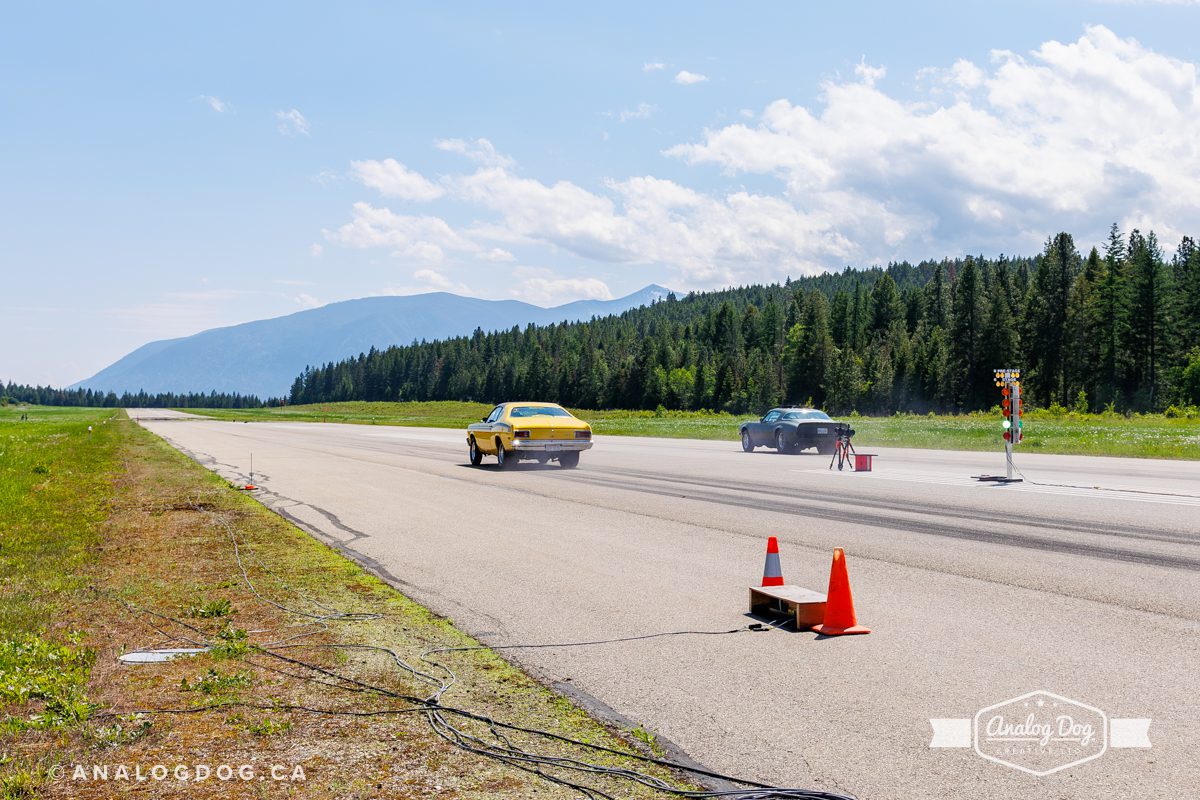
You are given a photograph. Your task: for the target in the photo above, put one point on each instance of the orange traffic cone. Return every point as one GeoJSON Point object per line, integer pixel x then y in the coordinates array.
{"type": "Point", "coordinates": [839, 606]}
{"type": "Point", "coordinates": [772, 572]}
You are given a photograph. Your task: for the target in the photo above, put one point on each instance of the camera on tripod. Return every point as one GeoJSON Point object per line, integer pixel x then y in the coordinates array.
{"type": "Point", "coordinates": [843, 432]}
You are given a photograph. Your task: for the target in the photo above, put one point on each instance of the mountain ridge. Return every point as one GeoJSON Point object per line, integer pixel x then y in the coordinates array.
{"type": "Point", "coordinates": [263, 357]}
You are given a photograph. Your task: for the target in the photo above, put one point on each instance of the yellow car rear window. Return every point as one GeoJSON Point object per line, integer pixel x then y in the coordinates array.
{"type": "Point", "coordinates": [521, 412]}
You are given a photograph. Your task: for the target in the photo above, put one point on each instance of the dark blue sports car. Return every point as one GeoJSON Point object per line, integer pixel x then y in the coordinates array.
{"type": "Point", "coordinates": [790, 430]}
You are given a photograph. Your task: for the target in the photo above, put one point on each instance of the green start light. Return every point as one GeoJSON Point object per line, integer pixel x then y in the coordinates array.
{"type": "Point", "coordinates": [1007, 424]}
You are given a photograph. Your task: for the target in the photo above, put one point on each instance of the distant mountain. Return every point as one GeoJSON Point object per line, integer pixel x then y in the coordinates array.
{"type": "Point", "coordinates": [265, 356]}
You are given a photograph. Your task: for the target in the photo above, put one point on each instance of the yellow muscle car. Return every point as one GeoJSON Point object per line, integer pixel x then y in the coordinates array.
{"type": "Point", "coordinates": [541, 431]}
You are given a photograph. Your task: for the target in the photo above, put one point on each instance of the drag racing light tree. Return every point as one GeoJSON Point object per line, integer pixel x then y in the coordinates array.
{"type": "Point", "coordinates": [1009, 381]}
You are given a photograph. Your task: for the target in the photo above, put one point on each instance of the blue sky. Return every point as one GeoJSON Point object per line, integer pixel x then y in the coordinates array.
{"type": "Point", "coordinates": [166, 169]}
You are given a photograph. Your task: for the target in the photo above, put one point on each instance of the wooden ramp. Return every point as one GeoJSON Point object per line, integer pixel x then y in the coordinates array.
{"type": "Point", "coordinates": [805, 607]}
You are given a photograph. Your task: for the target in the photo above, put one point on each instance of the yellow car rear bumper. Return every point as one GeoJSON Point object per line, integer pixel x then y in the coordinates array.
{"type": "Point", "coordinates": [551, 445]}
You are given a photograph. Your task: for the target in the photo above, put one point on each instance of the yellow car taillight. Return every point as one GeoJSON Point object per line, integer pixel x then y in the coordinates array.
{"type": "Point", "coordinates": [583, 434]}
{"type": "Point", "coordinates": [521, 434]}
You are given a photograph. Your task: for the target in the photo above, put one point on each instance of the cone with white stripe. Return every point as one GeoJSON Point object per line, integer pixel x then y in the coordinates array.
{"type": "Point", "coordinates": [772, 572]}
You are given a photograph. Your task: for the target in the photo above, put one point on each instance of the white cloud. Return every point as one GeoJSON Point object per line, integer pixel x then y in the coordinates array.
{"type": "Point", "coordinates": [215, 103]}
{"type": "Point", "coordinates": [685, 78]}
{"type": "Point", "coordinates": [991, 157]}
{"type": "Point", "coordinates": [316, 249]}
{"type": "Point", "coordinates": [542, 287]}
{"type": "Point", "coordinates": [414, 238]}
{"type": "Point", "coordinates": [868, 74]}
{"type": "Point", "coordinates": [292, 122]}
{"type": "Point", "coordinates": [653, 66]}
{"type": "Point", "coordinates": [710, 240]}
{"type": "Point", "coordinates": [497, 255]}
{"type": "Point", "coordinates": [393, 179]}
{"type": "Point", "coordinates": [326, 177]}
{"type": "Point", "coordinates": [429, 280]}
{"type": "Point", "coordinates": [437, 280]}
{"type": "Point", "coordinates": [1070, 137]}
{"type": "Point", "coordinates": [643, 111]}
{"type": "Point", "coordinates": [479, 150]}
{"type": "Point", "coordinates": [305, 300]}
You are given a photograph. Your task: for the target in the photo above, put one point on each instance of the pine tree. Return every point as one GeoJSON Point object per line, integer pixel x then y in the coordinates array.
{"type": "Point", "coordinates": [1187, 285]}
{"type": "Point", "coordinates": [844, 383]}
{"type": "Point", "coordinates": [1046, 319]}
{"type": "Point", "coordinates": [937, 298]}
{"type": "Point", "coordinates": [810, 351]}
{"type": "Point", "coordinates": [966, 338]}
{"type": "Point", "coordinates": [1149, 317]}
{"type": "Point", "coordinates": [886, 306]}
{"type": "Point", "coordinates": [1082, 365]}
{"type": "Point", "coordinates": [1000, 343]}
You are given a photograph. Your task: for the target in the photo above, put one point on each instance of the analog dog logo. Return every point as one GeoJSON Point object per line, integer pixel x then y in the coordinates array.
{"type": "Point", "coordinates": [1040, 733]}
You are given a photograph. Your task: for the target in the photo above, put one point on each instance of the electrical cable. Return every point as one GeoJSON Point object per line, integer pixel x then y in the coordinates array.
{"type": "Point", "coordinates": [1032, 482]}
{"type": "Point", "coordinates": [434, 710]}
{"type": "Point", "coordinates": [502, 749]}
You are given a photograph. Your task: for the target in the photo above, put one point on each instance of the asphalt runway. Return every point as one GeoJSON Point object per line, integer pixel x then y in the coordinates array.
{"type": "Point", "coordinates": [1085, 584]}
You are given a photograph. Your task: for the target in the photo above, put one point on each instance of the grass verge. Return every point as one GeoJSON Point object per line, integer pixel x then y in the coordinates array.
{"type": "Point", "coordinates": [122, 543]}
{"type": "Point", "coordinates": [1053, 431]}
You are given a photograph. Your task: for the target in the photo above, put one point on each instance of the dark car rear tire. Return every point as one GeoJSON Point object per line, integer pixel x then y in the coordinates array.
{"type": "Point", "coordinates": [747, 442]}
{"type": "Point", "coordinates": [826, 448]}
{"type": "Point", "coordinates": [501, 456]}
{"type": "Point", "coordinates": [473, 451]}
{"type": "Point", "coordinates": [569, 460]}
{"type": "Point", "coordinates": [781, 443]}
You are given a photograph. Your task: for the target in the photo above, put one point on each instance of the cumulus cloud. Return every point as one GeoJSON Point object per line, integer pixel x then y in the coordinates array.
{"type": "Point", "coordinates": [428, 280]}
{"type": "Point", "coordinates": [414, 238]}
{"type": "Point", "coordinates": [653, 66]}
{"type": "Point", "coordinates": [497, 255]}
{"type": "Point", "coordinates": [993, 156]}
{"type": "Point", "coordinates": [393, 179]}
{"type": "Point", "coordinates": [316, 249]}
{"type": "Point", "coordinates": [292, 122]}
{"type": "Point", "coordinates": [685, 78]}
{"type": "Point", "coordinates": [437, 280]}
{"type": "Point", "coordinates": [1071, 136]}
{"type": "Point", "coordinates": [478, 150]}
{"type": "Point", "coordinates": [542, 287]}
{"type": "Point", "coordinates": [869, 74]}
{"type": "Point", "coordinates": [305, 300]}
{"type": "Point", "coordinates": [711, 240]}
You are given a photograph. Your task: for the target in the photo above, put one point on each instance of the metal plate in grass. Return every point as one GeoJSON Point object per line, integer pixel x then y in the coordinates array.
{"type": "Point", "coordinates": [158, 656]}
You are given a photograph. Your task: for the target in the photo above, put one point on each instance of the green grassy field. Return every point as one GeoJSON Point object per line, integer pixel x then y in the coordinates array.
{"type": "Point", "coordinates": [1141, 435]}
{"type": "Point", "coordinates": [55, 489]}
{"type": "Point", "coordinates": [111, 540]}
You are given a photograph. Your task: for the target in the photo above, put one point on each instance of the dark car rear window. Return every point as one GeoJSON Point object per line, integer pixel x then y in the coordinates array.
{"type": "Point", "coordinates": [814, 415]}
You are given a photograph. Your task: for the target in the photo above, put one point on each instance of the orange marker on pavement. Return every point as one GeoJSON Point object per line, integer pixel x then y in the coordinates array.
{"type": "Point", "coordinates": [839, 607]}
